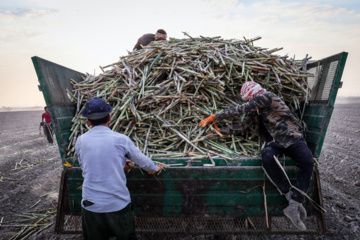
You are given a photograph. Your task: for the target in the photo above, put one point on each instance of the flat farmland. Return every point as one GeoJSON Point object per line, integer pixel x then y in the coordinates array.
{"type": "Point", "coordinates": [30, 172]}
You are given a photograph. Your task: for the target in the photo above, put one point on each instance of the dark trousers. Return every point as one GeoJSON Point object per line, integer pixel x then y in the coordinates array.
{"type": "Point", "coordinates": [102, 226]}
{"type": "Point", "coordinates": [301, 154]}
{"type": "Point", "coordinates": [48, 132]}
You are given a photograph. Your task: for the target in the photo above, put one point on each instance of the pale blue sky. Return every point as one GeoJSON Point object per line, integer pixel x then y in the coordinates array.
{"type": "Point", "coordinates": [83, 34]}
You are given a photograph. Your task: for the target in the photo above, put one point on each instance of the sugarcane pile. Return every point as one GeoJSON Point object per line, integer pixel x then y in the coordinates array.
{"type": "Point", "coordinates": [160, 93]}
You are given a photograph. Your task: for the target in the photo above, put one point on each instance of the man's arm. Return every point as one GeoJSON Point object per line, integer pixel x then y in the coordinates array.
{"type": "Point", "coordinates": [78, 150]}
{"type": "Point", "coordinates": [239, 127]}
{"type": "Point", "coordinates": [40, 127]}
{"type": "Point", "coordinates": [251, 106]}
{"type": "Point", "coordinates": [144, 40]}
{"type": "Point", "coordinates": [135, 155]}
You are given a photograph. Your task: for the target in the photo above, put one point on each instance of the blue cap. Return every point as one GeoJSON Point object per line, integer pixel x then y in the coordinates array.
{"type": "Point", "coordinates": [96, 108]}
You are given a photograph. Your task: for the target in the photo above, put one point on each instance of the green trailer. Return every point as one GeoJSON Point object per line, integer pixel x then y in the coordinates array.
{"type": "Point", "coordinates": [193, 198]}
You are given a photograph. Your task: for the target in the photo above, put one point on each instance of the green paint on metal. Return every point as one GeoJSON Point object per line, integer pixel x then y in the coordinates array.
{"type": "Point", "coordinates": [318, 112]}
{"type": "Point", "coordinates": [337, 80]}
{"type": "Point", "coordinates": [55, 82]}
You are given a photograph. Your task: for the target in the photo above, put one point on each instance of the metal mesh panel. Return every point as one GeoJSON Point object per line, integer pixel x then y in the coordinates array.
{"type": "Point", "coordinates": [316, 72]}
{"type": "Point", "coordinates": [208, 225]}
{"type": "Point", "coordinates": [281, 224]}
{"type": "Point", "coordinates": [224, 226]}
{"type": "Point", "coordinates": [329, 81]}
{"type": "Point", "coordinates": [321, 83]}
{"type": "Point", "coordinates": [199, 225]}
{"type": "Point", "coordinates": [72, 224]}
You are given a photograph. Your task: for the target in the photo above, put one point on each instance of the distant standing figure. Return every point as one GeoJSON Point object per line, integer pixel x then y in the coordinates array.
{"type": "Point", "coordinates": [149, 37]}
{"type": "Point", "coordinates": [47, 125]}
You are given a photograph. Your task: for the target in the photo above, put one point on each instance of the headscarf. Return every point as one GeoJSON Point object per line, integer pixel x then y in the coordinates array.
{"type": "Point", "coordinates": [160, 36]}
{"type": "Point", "coordinates": [250, 89]}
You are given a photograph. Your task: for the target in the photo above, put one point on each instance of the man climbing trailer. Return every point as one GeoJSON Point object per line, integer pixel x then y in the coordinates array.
{"type": "Point", "coordinates": [282, 135]}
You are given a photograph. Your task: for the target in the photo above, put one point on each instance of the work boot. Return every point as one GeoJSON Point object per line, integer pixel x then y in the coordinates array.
{"type": "Point", "coordinates": [292, 212]}
{"type": "Point", "coordinates": [288, 195]}
{"type": "Point", "coordinates": [303, 213]}
{"type": "Point", "coordinates": [302, 210]}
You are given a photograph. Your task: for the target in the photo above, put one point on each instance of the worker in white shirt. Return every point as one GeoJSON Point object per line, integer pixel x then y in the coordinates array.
{"type": "Point", "coordinates": [102, 153]}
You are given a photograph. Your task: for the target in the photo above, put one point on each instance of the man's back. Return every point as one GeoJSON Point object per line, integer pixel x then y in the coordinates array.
{"type": "Point", "coordinates": [144, 40]}
{"type": "Point", "coordinates": [102, 153]}
{"type": "Point", "coordinates": [102, 159]}
{"type": "Point", "coordinates": [102, 156]}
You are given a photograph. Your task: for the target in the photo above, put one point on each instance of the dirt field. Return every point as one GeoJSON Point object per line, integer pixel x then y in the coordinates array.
{"type": "Point", "coordinates": [30, 174]}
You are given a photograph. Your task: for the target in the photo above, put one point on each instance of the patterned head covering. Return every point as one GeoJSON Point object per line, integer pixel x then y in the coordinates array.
{"type": "Point", "coordinates": [160, 35]}
{"type": "Point", "coordinates": [250, 89]}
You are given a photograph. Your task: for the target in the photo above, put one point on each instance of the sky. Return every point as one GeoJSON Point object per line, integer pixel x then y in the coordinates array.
{"type": "Point", "coordinates": [85, 34]}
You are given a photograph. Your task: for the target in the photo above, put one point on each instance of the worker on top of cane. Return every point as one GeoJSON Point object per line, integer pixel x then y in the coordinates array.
{"type": "Point", "coordinates": [102, 153]}
{"type": "Point", "coordinates": [278, 126]}
{"type": "Point", "coordinates": [149, 37]}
